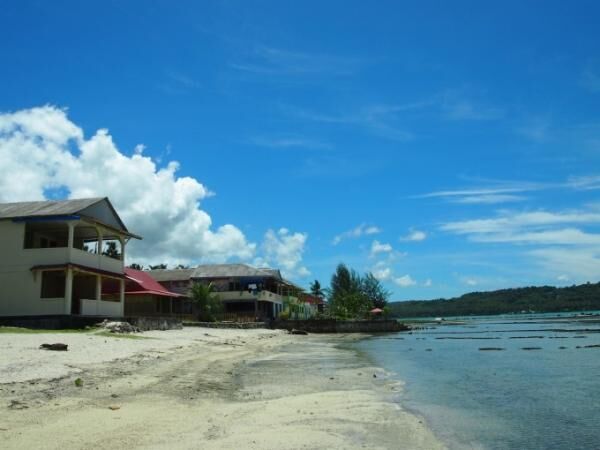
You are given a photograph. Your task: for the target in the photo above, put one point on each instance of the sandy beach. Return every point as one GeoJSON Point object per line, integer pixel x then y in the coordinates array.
{"type": "Point", "coordinates": [199, 388]}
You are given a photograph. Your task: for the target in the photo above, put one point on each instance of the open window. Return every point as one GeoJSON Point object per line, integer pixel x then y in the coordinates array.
{"type": "Point", "coordinates": [53, 284]}
{"type": "Point", "coordinates": [46, 235]}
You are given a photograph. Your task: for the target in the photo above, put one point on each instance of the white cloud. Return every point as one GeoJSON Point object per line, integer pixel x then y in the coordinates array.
{"type": "Point", "coordinates": [562, 249]}
{"type": "Point", "coordinates": [489, 199]}
{"type": "Point", "coordinates": [284, 250]}
{"type": "Point", "coordinates": [565, 236]}
{"type": "Point", "coordinates": [382, 273]}
{"type": "Point", "coordinates": [361, 230]}
{"type": "Point", "coordinates": [579, 264]}
{"type": "Point", "coordinates": [41, 150]}
{"type": "Point", "coordinates": [289, 142]}
{"type": "Point", "coordinates": [404, 281]}
{"type": "Point", "coordinates": [514, 221]}
{"type": "Point", "coordinates": [469, 281]}
{"type": "Point", "coordinates": [378, 247]}
{"type": "Point", "coordinates": [414, 236]}
{"type": "Point", "coordinates": [428, 282]}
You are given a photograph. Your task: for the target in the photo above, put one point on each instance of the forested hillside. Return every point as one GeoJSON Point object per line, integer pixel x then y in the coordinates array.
{"type": "Point", "coordinates": [539, 299]}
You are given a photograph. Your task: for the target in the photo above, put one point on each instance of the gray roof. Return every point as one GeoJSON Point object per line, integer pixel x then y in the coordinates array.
{"type": "Point", "coordinates": [233, 271]}
{"type": "Point", "coordinates": [215, 271]}
{"type": "Point", "coordinates": [98, 209]}
{"type": "Point", "coordinates": [45, 208]}
{"type": "Point", "coordinates": [171, 274]}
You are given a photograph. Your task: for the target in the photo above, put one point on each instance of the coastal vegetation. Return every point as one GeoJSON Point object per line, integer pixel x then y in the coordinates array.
{"type": "Point", "coordinates": [352, 296]}
{"type": "Point", "coordinates": [584, 297]}
{"type": "Point", "coordinates": [208, 303]}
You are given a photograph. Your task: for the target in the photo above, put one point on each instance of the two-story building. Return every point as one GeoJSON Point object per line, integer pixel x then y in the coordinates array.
{"type": "Point", "coordinates": [56, 256]}
{"type": "Point", "coordinates": [248, 293]}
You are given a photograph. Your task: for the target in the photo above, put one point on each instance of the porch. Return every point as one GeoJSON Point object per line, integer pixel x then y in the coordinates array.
{"type": "Point", "coordinates": [80, 289]}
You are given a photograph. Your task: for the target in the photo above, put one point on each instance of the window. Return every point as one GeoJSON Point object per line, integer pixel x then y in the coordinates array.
{"type": "Point", "coordinates": [53, 284]}
{"type": "Point", "coordinates": [46, 235]}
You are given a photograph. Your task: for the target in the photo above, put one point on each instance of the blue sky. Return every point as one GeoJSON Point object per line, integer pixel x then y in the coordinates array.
{"type": "Point", "coordinates": [445, 147]}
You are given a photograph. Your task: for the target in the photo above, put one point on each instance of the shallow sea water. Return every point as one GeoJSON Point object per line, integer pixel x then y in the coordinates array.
{"type": "Point", "coordinates": [542, 398]}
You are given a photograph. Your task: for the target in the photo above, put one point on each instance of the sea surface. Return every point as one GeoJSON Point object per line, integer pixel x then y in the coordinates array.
{"type": "Point", "coordinates": [540, 391]}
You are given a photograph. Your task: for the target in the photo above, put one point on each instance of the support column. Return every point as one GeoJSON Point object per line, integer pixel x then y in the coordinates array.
{"type": "Point", "coordinates": [255, 309]}
{"type": "Point", "coordinates": [68, 290]}
{"type": "Point", "coordinates": [100, 242]}
{"type": "Point", "coordinates": [71, 237]}
{"type": "Point", "coordinates": [123, 242]}
{"type": "Point", "coordinates": [98, 287]}
{"type": "Point", "coordinates": [121, 298]}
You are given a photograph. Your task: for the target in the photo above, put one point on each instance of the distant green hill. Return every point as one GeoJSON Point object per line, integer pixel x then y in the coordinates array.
{"type": "Point", "coordinates": [584, 297]}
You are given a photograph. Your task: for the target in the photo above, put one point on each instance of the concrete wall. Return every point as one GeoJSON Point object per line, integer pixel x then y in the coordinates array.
{"type": "Point", "coordinates": [19, 287]}
{"type": "Point", "coordinates": [100, 308]}
{"type": "Point", "coordinates": [340, 326]}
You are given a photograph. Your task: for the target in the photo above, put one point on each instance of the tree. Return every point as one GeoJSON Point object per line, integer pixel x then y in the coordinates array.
{"type": "Point", "coordinates": [374, 290]}
{"type": "Point", "coordinates": [111, 250]}
{"type": "Point", "coordinates": [346, 296]}
{"type": "Point", "coordinates": [208, 303]}
{"type": "Point", "coordinates": [315, 289]}
{"type": "Point", "coordinates": [136, 266]}
{"type": "Point", "coordinates": [158, 267]}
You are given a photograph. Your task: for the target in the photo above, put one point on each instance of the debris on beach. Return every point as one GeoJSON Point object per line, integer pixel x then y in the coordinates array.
{"type": "Point", "coordinates": [295, 331]}
{"type": "Point", "coordinates": [56, 347]}
{"type": "Point", "coordinates": [79, 382]}
{"type": "Point", "coordinates": [114, 407]}
{"type": "Point", "coordinates": [118, 327]}
{"type": "Point", "coordinates": [16, 404]}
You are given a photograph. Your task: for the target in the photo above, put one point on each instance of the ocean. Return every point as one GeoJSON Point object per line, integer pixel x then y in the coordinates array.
{"type": "Point", "coordinates": [539, 388]}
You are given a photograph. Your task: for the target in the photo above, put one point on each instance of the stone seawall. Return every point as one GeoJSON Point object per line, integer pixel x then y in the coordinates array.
{"type": "Point", "coordinates": [238, 325]}
{"type": "Point", "coordinates": [155, 323]}
{"type": "Point", "coordinates": [341, 326]}
{"type": "Point", "coordinates": [79, 322]}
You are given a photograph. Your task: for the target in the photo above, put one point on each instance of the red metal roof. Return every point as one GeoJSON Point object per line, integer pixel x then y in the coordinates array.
{"type": "Point", "coordinates": [145, 284]}
{"type": "Point", "coordinates": [313, 300]}
{"type": "Point", "coordinates": [138, 282]}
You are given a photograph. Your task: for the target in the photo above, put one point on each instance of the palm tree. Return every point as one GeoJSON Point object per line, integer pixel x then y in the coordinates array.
{"type": "Point", "coordinates": [315, 289]}
{"type": "Point", "coordinates": [208, 303]}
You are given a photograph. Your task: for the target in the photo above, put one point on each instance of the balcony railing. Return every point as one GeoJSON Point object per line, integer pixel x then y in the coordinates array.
{"type": "Point", "coordinates": [63, 255]}
{"type": "Point", "coordinates": [262, 296]}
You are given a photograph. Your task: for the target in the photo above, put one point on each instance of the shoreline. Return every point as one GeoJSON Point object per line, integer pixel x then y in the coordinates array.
{"type": "Point", "coordinates": [209, 388]}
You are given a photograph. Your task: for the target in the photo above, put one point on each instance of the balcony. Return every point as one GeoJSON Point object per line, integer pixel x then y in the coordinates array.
{"type": "Point", "coordinates": [261, 296]}
{"type": "Point", "coordinates": [49, 243]}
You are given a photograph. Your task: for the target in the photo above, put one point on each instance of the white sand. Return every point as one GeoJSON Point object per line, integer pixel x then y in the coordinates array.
{"type": "Point", "coordinates": [22, 360]}
{"type": "Point", "coordinates": [232, 389]}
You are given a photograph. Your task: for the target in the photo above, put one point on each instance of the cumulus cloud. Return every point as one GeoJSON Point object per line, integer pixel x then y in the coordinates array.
{"type": "Point", "coordinates": [414, 236]}
{"type": "Point", "coordinates": [428, 282]}
{"type": "Point", "coordinates": [404, 281]}
{"type": "Point", "coordinates": [42, 150]}
{"type": "Point", "coordinates": [382, 273]}
{"type": "Point", "coordinates": [378, 247]}
{"type": "Point", "coordinates": [284, 249]}
{"type": "Point", "coordinates": [361, 230]}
